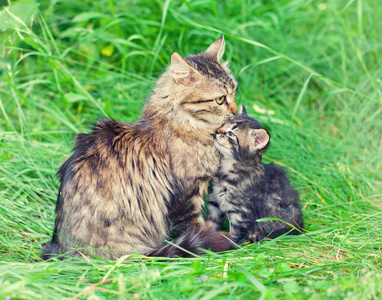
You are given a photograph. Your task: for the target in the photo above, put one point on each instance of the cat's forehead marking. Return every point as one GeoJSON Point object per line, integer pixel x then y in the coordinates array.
{"type": "Point", "coordinates": [242, 121]}
{"type": "Point", "coordinates": [235, 123]}
{"type": "Point", "coordinates": [235, 126]}
{"type": "Point", "coordinates": [207, 66]}
{"type": "Point", "coordinates": [229, 89]}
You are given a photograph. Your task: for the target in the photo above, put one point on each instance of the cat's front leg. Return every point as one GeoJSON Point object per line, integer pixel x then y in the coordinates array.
{"type": "Point", "coordinates": [239, 228]}
{"type": "Point", "coordinates": [197, 201]}
{"type": "Point", "coordinates": [187, 212]}
{"type": "Point", "coordinates": [215, 216]}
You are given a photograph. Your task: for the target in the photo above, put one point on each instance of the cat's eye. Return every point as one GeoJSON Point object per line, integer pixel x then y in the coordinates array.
{"type": "Point", "coordinates": [230, 133]}
{"type": "Point", "coordinates": [220, 100]}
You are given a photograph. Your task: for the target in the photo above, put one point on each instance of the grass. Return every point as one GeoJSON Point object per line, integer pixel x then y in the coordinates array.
{"type": "Point", "coordinates": [309, 71]}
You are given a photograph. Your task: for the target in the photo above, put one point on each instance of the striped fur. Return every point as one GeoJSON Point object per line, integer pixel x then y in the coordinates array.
{"type": "Point", "coordinates": [127, 186]}
{"type": "Point", "coordinates": [245, 189]}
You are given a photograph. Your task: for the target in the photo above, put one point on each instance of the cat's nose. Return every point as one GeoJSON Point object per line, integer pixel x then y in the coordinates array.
{"type": "Point", "coordinates": [234, 108]}
{"type": "Point", "coordinates": [232, 104]}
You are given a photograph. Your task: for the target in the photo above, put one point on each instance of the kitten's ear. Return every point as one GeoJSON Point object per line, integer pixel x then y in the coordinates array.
{"type": "Point", "coordinates": [243, 110]}
{"type": "Point", "coordinates": [182, 72]}
{"type": "Point", "coordinates": [216, 50]}
{"type": "Point", "coordinates": [258, 139]}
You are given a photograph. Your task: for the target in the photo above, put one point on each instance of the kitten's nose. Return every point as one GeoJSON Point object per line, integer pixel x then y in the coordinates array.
{"type": "Point", "coordinates": [220, 131]}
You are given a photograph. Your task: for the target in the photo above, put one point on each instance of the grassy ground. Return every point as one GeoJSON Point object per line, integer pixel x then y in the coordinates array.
{"type": "Point", "coordinates": [309, 71]}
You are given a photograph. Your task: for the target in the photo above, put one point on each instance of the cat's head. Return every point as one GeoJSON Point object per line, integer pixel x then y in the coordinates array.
{"type": "Point", "coordinates": [241, 137]}
{"type": "Point", "coordinates": [199, 88]}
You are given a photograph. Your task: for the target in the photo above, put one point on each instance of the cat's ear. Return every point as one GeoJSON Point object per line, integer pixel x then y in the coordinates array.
{"type": "Point", "coordinates": [258, 139]}
{"type": "Point", "coordinates": [216, 50]}
{"type": "Point", "coordinates": [243, 110]}
{"type": "Point", "coordinates": [182, 72]}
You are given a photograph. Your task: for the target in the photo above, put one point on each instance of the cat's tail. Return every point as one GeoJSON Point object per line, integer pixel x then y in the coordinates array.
{"type": "Point", "coordinates": [190, 244]}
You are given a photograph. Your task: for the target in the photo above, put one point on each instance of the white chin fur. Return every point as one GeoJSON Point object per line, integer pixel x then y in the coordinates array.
{"type": "Point", "coordinates": [220, 148]}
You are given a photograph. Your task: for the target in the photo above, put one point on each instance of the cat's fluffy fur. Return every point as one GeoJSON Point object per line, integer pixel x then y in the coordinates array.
{"type": "Point", "coordinates": [127, 186]}
{"type": "Point", "coordinates": [245, 189]}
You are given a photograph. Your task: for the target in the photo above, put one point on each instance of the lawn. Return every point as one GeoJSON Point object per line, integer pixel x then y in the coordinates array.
{"type": "Point", "coordinates": [309, 71]}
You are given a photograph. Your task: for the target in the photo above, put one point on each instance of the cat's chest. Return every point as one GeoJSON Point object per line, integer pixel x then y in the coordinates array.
{"type": "Point", "coordinates": [227, 183]}
{"type": "Point", "coordinates": [222, 192]}
{"type": "Point", "coordinates": [223, 187]}
{"type": "Point", "coordinates": [194, 159]}
{"type": "Point", "coordinates": [228, 169]}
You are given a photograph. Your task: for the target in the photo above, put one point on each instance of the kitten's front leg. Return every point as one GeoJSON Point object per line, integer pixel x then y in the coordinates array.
{"type": "Point", "coordinates": [239, 228]}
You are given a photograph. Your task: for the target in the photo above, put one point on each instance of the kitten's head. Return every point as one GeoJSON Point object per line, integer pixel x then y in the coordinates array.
{"type": "Point", "coordinates": [198, 88]}
{"type": "Point", "coordinates": [241, 137]}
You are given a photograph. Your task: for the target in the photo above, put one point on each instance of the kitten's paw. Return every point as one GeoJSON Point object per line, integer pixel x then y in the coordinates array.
{"type": "Point", "coordinates": [256, 236]}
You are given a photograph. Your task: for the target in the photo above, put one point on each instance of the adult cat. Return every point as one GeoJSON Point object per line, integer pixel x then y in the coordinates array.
{"type": "Point", "coordinates": [127, 186]}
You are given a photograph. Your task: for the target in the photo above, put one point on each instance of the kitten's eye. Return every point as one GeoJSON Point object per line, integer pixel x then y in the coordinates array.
{"type": "Point", "coordinates": [231, 133]}
{"type": "Point", "coordinates": [220, 100]}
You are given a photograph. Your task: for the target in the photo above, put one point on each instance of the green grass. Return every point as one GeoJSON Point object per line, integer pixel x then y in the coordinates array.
{"type": "Point", "coordinates": [309, 71]}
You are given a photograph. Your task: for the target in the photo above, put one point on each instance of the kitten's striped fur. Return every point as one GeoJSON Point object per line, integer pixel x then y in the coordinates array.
{"type": "Point", "coordinates": [245, 189]}
{"type": "Point", "coordinates": [128, 185]}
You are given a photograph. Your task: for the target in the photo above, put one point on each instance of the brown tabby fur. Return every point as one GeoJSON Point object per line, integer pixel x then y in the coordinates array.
{"type": "Point", "coordinates": [128, 185]}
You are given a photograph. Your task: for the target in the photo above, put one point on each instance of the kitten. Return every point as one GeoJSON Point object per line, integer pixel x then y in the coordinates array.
{"type": "Point", "coordinates": [127, 186]}
{"type": "Point", "coordinates": [246, 189]}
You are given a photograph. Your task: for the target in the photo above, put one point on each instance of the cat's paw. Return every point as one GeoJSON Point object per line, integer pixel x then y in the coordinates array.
{"type": "Point", "coordinates": [256, 236]}
{"type": "Point", "coordinates": [212, 225]}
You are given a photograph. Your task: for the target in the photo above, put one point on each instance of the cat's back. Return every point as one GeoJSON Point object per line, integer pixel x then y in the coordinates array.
{"type": "Point", "coordinates": [106, 136]}
{"type": "Point", "coordinates": [111, 140]}
{"type": "Point", "coordinates": [114, 187]}
{"type": "Point", "coordinates": [279, 186]}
